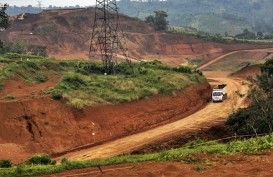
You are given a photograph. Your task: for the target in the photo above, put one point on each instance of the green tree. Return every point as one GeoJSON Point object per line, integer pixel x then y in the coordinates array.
{"type": "Point", "coordinates": [246, 35]}
{"type": "Point", "coordinates": [260, 35]}
{"type": "Point", "coordinates": [4, 19]}
{"type": "Point", "coordinates": [158, 20]}
{"type": "Point", "coordinates": [258, 117]}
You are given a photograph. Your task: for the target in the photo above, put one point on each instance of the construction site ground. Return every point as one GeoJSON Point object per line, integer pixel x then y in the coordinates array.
{"type": "Point", "coordinates": [62, 136]}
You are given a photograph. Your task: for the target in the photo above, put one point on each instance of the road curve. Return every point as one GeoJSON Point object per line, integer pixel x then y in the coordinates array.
{"type": "Point", "coordinates": [213, 112]}
{"type": "Point", "coordinates": [230, 53]}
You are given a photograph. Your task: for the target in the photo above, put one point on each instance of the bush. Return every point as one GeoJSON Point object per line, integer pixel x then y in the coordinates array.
{"type": "Point", "coordinates": [258, 117]}
{"type": "Point", "coordinates": [42, 159]}
{"type": "Point", "coordinates": [183, 69]}
{"type": "Point", "coordinates": [56, 94]}
{"type": "Point", "coordinates": [9, 97]}
{"type": "Point", "coordinates": [89, 68]}
{"type": "Point", "coordinates": [74, 81]}
{"type": "Point", "coordinates": [64, 161]}
{"type": "Point", "coordinates": [5, 163]}
{"type": "Point", "coordinates": [124, 68]}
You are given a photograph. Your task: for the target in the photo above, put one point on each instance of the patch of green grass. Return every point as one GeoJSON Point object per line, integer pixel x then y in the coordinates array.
{"type": "Point", "coordinates": [87, 86]}
{"type": "Point", "coordinates": [9, 97]}
{"type": "Point", "coordinates": [84, 84]}
{"type": "Point", "coordinates": [200, 169]}
{"type": "Point", "coordinates": [31, 68]}
{"type": "Point", "coordinates": [183, 154]}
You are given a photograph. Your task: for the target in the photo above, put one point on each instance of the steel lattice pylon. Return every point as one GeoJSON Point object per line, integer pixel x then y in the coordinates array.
{"type": "Point", "coordinates": [106, 37]}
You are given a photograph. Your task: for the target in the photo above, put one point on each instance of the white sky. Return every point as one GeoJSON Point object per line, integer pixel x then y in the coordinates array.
{"type": "Point", "coordinates": [46, 3]}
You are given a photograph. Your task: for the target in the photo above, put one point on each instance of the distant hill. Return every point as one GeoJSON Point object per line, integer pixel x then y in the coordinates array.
{"type": "Point", "coordinates": [214, 16]}
{"type": "Point", "coordinates": [66, 34]}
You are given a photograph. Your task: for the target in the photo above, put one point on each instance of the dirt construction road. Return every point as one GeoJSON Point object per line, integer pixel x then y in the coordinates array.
{"type": "Point", "coordinates": [212, 113]}
{"type": "Point", "coordinates": [230, 53]}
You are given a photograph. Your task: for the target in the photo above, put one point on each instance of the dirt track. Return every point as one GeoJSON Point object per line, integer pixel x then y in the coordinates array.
{"type": "Point", "coordinates": [230, 53]}
{"type": "Point", "coordinates": [210, 114]}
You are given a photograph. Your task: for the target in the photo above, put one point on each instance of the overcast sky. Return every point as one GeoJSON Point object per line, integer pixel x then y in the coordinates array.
{"type": "Point", "coordinates": [46, 3]}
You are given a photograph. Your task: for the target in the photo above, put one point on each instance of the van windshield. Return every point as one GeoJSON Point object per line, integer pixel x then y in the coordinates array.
{"type": "Point", "coordinates": [217, 93]}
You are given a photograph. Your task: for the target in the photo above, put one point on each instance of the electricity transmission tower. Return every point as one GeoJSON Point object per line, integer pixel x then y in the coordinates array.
{"type": "Point", "coordinates": [39, 4]}
{"type": "Point", "coordinates": [107, 38]}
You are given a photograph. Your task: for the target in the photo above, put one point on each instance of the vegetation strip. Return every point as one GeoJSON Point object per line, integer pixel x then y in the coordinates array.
{"type": "Point", "coordinates": [84, 84]}
{"type": "Point", "coordinates": [247, 146]}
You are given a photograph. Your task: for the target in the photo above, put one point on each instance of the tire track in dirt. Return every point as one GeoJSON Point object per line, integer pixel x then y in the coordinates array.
{"type": "Point", "coordinates": [209, 115]}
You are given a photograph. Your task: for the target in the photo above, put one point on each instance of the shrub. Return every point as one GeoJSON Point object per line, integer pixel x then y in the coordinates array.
{"type": "Point", "coordinates": [5, 163]}
{"type": "Point", "coordinates": [258, 117]}
{"type": "Point", "coordinates": [42, 159]}
{"type": "Point", "coordinates": [40, 77]}
{"type": "Point", "coordinates": [9, 97]}
{"type": "Point", "coordinates": [56, 94]}
{"type": "Point", "coordinates": [74, 81]}
{"type": "Point", "coordinates": [64, 161]}
{"type": "Point", "coordinates": [183, 69]}
{"type": "Point", "coordinates": [89, 68]}
{"type": "Point", "coordinates": [124, 68]}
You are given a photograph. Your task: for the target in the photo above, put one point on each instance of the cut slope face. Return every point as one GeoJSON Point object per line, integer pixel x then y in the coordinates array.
{"type": "Point", "coordinates": [66, 33]}
{"type": "Point", "coordinates": [47, 126]}
{"type": "Point", "coordinates": [239, 59]}
{"type": "Point", "coordinates": [32, 122]}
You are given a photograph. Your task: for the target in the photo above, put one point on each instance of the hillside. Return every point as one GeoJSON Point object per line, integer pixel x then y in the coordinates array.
{"type": "Point", "coordinates": [66, 34]}
{"type": "Point", "coordinates": [43, 100]}
{"type": "Point", "coordinates": [214, 16]}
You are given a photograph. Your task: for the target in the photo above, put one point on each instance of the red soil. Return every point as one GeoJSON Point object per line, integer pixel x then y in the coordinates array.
{"type": "Point", "coordinates": [43, 125]}
{"type": "Point", "coordinates": [21, 90]}
{"type": "Point", "coordinates": [206, 166]}
{"type": "Point", "coordinates": [70, 38]}
{"type": "Point", "coordinates": [250, 71]}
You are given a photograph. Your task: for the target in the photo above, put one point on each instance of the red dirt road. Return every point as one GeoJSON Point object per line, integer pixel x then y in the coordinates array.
{"type": "Point", "coordinates": [209, 115]}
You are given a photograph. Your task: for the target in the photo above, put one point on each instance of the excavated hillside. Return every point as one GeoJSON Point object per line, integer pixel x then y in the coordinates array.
{"type": "Point", "coordinates": [66, 33]}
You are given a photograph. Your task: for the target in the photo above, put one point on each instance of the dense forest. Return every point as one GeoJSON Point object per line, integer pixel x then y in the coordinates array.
{"type": "Point", "coordinates": [226, 17]}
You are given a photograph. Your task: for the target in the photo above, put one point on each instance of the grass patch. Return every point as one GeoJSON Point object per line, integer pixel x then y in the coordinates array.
{"type": "Point", "coordinates": [9, 97]}
{"type": "Point", "coordinates": [84, 84]}
{"type": "Point", "coordinates": [200, 169]}
{"type": "Point", "coordinates": [247, 146]}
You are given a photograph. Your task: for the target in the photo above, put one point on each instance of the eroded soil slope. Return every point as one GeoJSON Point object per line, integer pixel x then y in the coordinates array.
{"type": "Point", "coordinates": [43, 125]}
{"type": "Point", "coordinates": [66, 33]}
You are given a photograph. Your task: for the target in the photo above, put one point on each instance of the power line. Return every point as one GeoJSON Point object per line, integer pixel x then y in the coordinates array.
{"type": "Point", "coordinates": [107, 37]}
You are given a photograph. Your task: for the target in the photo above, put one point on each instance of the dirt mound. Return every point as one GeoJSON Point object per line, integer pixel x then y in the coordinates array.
{"type": "Point", "coordinates": [249, 71]}
{"type": "Point", "coordinates": [47, 126]}
{"type": "Point", "coordinates": [66, 33]}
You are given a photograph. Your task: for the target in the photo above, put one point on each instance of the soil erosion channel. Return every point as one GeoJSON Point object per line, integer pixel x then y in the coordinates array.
{"type": "Point", "coordinates": [208, 116]}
